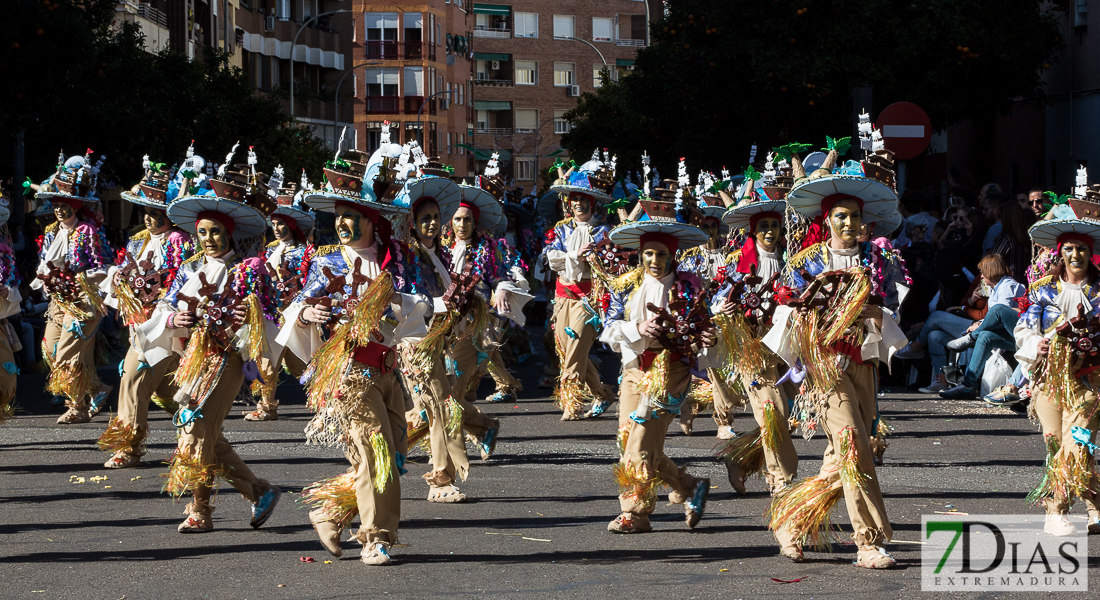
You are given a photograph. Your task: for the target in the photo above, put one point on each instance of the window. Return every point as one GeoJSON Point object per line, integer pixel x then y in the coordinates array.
{"type": "Point", "coordinates": [482, 120]}
{"type": "Point", "coordinates": [563, 74]}
{"type": "Point", "coordinates": [561, 126]}
{"type": "Point", "coordinates": [527, 25]}
{"type": "Point", "coordinates": [461, 94]}
{"type": "Point", "coordinates": [381, 35]}
{"type": "Point", "coordinates": [374, 135]}
{"type": "Point", "coordinates": [527, 120]}
{"type": "Point", "coordinates": [563, 26]}
{"type": "Point", "coordinates": [450, 149]}
{"type": "Point", "coordinates": [381, 82]}
{"type": "Point", "coordinates": [481, 21]}
{"type": "Point", "coordinates": [602, 28]}
{"type": "Point", "coordinates": [414, 81]}
{"type": "Point", "coordinates": [527, 72]}
{"type": "Point", "coordinates": [597, 68]}
{"type": "Point", "coordinates": [525, 168]}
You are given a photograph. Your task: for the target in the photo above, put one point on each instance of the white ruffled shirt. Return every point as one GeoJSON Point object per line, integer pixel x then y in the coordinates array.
{"type": "Point", "coordinates": [569, 264]}
{"type": "Point", "coordinates": [623, 336]}
{"type": "Point", "coordinates": [1070, 296]}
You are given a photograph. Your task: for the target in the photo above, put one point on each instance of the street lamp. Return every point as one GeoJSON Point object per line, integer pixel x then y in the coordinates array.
{"type": "Point", "coordinates": [336, 108]}
{"type": "Point", "coordinates": [419, 133]}
{"type": "Point", "coordinates": [573, 39]}
{"type": "Point", "coordinates": [294, 44]}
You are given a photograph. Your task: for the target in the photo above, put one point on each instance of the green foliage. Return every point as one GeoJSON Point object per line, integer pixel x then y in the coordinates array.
{"type": "Point", "coordinates": [721, 76]}
{"type": "Point", "coordinates": [81, 83]}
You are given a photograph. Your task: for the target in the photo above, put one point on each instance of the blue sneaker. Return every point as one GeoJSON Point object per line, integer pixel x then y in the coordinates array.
{"type": "Point", "coordinates": [1002, 396]}
{"type": "Point", "coordinates": [693, 508]}
{"type": "Point", "coordinates": [98, 401]}
{"type": "Point", "coordinates": [598, 408]}
{"type": "Point", "coordinates": [261, 510]}
{"type": "Point", "coordinates": [501, 397]}
{"type": "Point", "coordinates": [488, 443]}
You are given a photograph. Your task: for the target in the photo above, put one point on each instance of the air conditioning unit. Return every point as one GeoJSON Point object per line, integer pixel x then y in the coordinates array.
{"type": "Point", "coordinates": [269, 23]}
{"type": "Point", "coordinates": [574, 91]}
{"type": "Point", "coordinates": [496, 65]}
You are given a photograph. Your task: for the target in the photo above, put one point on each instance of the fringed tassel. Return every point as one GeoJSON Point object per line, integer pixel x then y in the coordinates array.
{"type": "Point", "coordinates": [416, 434]}
{"type": "Point", "coordinates": [431, 346]}
{"type": "Point", "coordinates": [92, 295]}
{"type": "Point", "coordinates": [1068, 473]}
{"type": "Point", "coordinates": [571, 395]}
{"type": "Point", "coordinates": [621, 438]}
{"type": "Point", "coordinates": [850, 472]}
{"type": "Point", "coordinates": [479, 318]}
{"type": "Point", "coordinates": [199, 348]}
{"type": "Point", "coordinates": [382, 471]}
{"type": "Point", "coordinates": [845, 307]}
{"type": "Point", "coordinates": [454, 416]}
{"type": "Point", "coordinates": [701, 393]}
{"type": "Point", "coordinates": [884, 428]}
{"type": "Point", "coordinates": [255, 346]}
{"type": "Point", "coordinates": [770, 428]}
{"type": "Point", "coordinates": [653, 387]}
{"type": "Point", "coordinates": [738, 349]}
{"type": "Point", "coordinates": [745, 450]}
{"type": "Point", "coordinates": [1047, 484]}
{"type": "Point", "coordinates": [1060, 385]}
{"type": "Point", "coordinates": [503, 377]}
{"type": "Point", "coordinates": [804, 508]}
{"type": "Point", "coordinates": [368, 313]}
{"type": "Point", "coordinates": [817, 358]}
{"type": "Point", "coordinates": [133, 313]}
{"type": "Point", "coordinates": [72, 380]}
{"type": "Point", "coordinates": [636, 481]}
{"type": "Point", "coordinates": [166, 404]}
{"type": "Point", "coordinates": [326, 370]}
{"type": "Point", "coordinates": [186, 472]}
{"type": "Point", "coordinates": [121, 436]}
{"type": "Point", "coordinates": [335, 497]}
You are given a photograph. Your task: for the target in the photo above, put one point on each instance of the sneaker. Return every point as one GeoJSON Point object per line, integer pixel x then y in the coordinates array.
{"type": "Point", "coordinates": [693, 508]}
{"type": "Point", "coordinates": [98, 402]}
{"type": "Point", "coordinates": [874, 558]}
{"type": "Point", "coordinates": [630, 523]}
{"type": "Point", "coordinates": [726, 433]}
{"type": "Point", "coordinates": [501, 397]}
{"type": "Point", "coordinates": [261, 510]}
{"type": "Point", "coordinates": [1059, 525]}
{"type": "Point", "coordinates": [376, 555]}
{"type": "Point", "coordinates": [74, 416]}
{"type": "Point", "coordinates": [599, 407]}
{"type": "Point", "coordinates": [195, 523]}
{"type": "Point", "coordinates": [960, 392]}
{"type": "Point", "coordinates": [960, 344]}
{"type": "Point", "coordinates": [328, 531]}
{"type": "Point", "coordinates": [909, 353]}
{"type": "Point", "coordinates": [1002, 396]}
{"type": "Point", "coordinates": [935, 388]}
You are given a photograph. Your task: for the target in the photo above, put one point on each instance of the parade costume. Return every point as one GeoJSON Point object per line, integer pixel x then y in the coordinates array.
{"type": "Point", "coordinates": [9, 305]}
{"type": "Point", "coordinates": [753, 368]}
{"type": "Point", "coordinates": [576, 316]}
{"type": "Point", "coordinates": [656, 372]}
{"type": "Point", "coordinates": [73, 256]}
{"type": "Point", "coordinates": [821, 336]}
{"type": "Point", "coordinates": [211, 289]}
{"type": "Point", "coordinates": [145, 274]}
{"type": "Point", "coordinates": [351, 380]}
{"type": "Point", "coordinates": [1064, 381]}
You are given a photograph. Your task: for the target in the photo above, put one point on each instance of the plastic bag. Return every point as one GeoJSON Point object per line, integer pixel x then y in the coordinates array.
{"type": "Point", "coordinates": [996, 373]}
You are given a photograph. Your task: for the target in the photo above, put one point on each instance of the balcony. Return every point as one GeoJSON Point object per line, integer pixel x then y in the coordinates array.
{"type": "Point", "coordinates": [485, 81]}
{"type": "Point", "coordinates": [383, 105]}
{"type": "Point", "coordinates": [631, 43]}
{"type": "Point", "coordinates": [500, 34]}
{"type": "Point", "coordinates": [498, 131]}
{"type": "Point", "coordinates": [381, 50]}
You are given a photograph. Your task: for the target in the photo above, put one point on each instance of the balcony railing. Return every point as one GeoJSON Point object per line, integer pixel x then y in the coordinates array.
{"type": "Point", "coordinates": [384, 105]}
{"type": "Point", "coordinates": [500, 34]}
{"type": "Point", "coordinates": [630, 42]}
{"type": "Point", "coordinates": [381, 50]}
{"type": "Point", "coordinates": [493, 82]}
{"type": "Point", "coordinates": [149, 13]}
{"type": "Point", "coordinates": [493, 130]}
{"type": "Point", "coordinates": [414, 50]}
{"type": "Point", "coordinates": [413, 103]}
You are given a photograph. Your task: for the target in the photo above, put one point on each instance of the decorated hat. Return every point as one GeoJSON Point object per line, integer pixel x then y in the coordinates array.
{"type": "Point", "coordinates": [237, 193]}
{"type": "Point", "coordinates": [485, 207]}
{"type": "Point", "coordinates": [74, 181]}
{"type": "Point", "coordinates": [442, 190]}
{"type": "Point", "coordinates": [595, 178]}
{"type": "Point", "coordinates": [745, 215]}
{"type": "Point", "coordinates": [662, 221]}
{"type": "Point", "coordinates": [159, 187]}
{"type": "Point", "coordinates": [375, 183]}
{"type": "Point", "coordinates": [883, 226]}
{"type": "Point", "coordinates": [816, 193]}
{"type": "Point", "coordinates": [290, 208]}
{"type": "Point", "coordinates": [1051, 233]}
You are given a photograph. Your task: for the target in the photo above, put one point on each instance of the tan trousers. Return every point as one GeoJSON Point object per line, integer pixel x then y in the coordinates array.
{"type": "Point", "coordinates": [7, 357]}
{"type": "Point", "coordinates": [781, 462]}
{"type": "Point", "coordinates": [205, 435]}
{"type": "Point", "coordinates": [136, 390]}
{"type": "Point", "coordinates": [71, 356]}
{"type": "Point", "coordinates": [726, 401]}
{"type": "Point", "coordinates": [269, 402]}
{"type": "Point", "coordinates": [382, 410]}
{"type": "Point", "coordinates": [575, 364]}
{"type": "Point", "coordinates": [853, 405]}
{"type": "Point", "coordinates": [1059, 422]}
{"type": "Point", "coordinates": [464, 355]}
{"type": "Point", "coordinates": [645, 443]}
{"type": "Point", "coordinates": [448, 449]}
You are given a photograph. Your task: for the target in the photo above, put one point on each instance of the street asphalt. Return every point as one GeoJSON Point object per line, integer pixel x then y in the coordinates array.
{"type": "Point", "coordinates": [535, 525]}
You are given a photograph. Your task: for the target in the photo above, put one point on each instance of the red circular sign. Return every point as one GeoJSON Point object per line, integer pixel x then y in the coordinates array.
{"type": "Point", "coordinates": [906, 129]}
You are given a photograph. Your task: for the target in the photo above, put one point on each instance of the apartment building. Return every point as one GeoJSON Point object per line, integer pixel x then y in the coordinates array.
{"type": "Point", "coordinates": [412, 67]}
{"type": "Point", "coordinates": [533, 60]}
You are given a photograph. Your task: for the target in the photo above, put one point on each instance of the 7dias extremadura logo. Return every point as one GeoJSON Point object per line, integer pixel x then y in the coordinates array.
{"type": "Point", "coordinates": [1000, 553]}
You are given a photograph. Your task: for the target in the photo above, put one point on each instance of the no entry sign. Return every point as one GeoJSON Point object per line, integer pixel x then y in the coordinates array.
{"type": "Point", "coordinates": [906, 129]}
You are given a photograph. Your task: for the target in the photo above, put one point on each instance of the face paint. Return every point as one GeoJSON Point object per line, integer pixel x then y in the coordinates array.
{"type": "Point", "coordinates": [844, 220]}
{"type": "Point", "coordinates": [656, 259]}
{"type": "Point", "coordinates": [580, 206]}
{"type": "Point", "coordinates": [428, 220]}
{"type": "Point", "coordinates": [713, 228]}
{"type": "Point", "coordinates": [63, 211]}
{"type": "Point", "coordinates": [350, 226]}
{"type": "Point", "coordinates": [1076, 257]}
{"type": "Point", "coordinates": [463, 223]}
{"type": "Point", "coordinates": [156, 222]}
{"type": "Point", "coordinates": [213, 238]}
{"type": "Point", "coordinates": [767, 233]}
{"type": "Point", "coordinates": [282, 231]}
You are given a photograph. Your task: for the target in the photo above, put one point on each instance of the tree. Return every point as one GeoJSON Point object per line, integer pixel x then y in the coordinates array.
{"type": "Point", "coordinates": [721, 76]}
{"type": "Point", "coordinates": [74, 81]}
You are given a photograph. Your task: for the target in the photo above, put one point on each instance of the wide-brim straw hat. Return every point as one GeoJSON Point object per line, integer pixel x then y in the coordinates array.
{"type": "Point", "coordinates": [247, 221]}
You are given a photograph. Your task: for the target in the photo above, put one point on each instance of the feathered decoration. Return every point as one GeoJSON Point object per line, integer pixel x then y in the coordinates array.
{"type": "Point", "coordinates": [335, 497]}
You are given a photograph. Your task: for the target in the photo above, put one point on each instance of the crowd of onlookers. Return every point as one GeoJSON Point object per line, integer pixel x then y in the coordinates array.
{"type": "Point", "coordinates": [970, 266]}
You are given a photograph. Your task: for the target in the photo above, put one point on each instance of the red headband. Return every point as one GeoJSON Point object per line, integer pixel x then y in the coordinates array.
{"type": "Point", "coordinates": [473, 208]}
{"type": "Point", "coordinates": [753, 220]}
{"type": "Point", "coordinates": [421, 200]}
{"type": "Point", "coordinates": [750, 258]}
{"type": "Point", "coordinates": [71, 202]}
{"type": "Point", "coordinates": [290, 222]}
{"type": "Point", "coordinates": [383, 230]}
{"type": "Point", "coordinates": [214, 215]}
{"type": "Point", "coordinates": [669, 240]}
{"type": "Point", "coordinates": [1071, 236]}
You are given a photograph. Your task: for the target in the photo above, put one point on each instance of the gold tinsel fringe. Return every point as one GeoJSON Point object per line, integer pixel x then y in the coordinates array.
{"type": "Point", "coordinates": [416, 434]}
{"type": "Point", "coordinates": [850, 472]}
{"type": "Point", "coordinates": [738, 349]}
{"type": "Point", "coordinates": [805, 508]}
{"type": "Point", "coordinates": [368, 313]}
{"type": "Point", "coordinates": [335, 497]}
{"type": "Point", "coordinates": [186, 472]}
{"type": "Point", "coordinates": [770, 428]}
{"type": "Point", "coordinates": [454, 416]}
{"type": "Point", "coordinates": [1068, 473]}
{"type": "Point", "coordinates": [256, 344]}
{"type": "Point", "coordinates": [199, 348]}
{"type": "Point", "coordinates": [700, 393]}
{"type": "Point", "coordinates": [133, 313]}
{"type": "Point", "coordinates": [635, 481]}
{"type": "Point", "coordinates": [92, 294]}
{"type": "Point", "coordinates": [884, 428]}
{"type": "Point", "coordinates": [621, 438]}
{"type": "Point", "coordinates": [502, 376]}
{"type": "Point", "coordinates": [654, 385]}
{"type": "Point", "coordinates": [845, 307]}
{"type": "Point", "coordinates": [166, 404]}
{"type": "Point", "coordinates": [1059, 382]}
{"type": "Point", "coordinates": [7, 409]}
{"type": "Point", "coordinates": [72, 380]}
{"type": "Point", "coordinates": [383, 461]}
{"type": "Point", "coordinates": [746, 450]}
{"type": "Point", "coordinates": [122, 436]}
{"type": "Point", "coordinates": [432, 344]}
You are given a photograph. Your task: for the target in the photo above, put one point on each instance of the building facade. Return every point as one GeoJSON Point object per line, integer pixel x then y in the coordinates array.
{"type": "Point", "coordinates": [531, 62]}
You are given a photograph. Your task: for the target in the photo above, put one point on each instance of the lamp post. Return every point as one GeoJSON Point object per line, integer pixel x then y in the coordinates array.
{"type": "Point", "coordinates": [294, 44]}
{"type": "Point", "coordinates": [336, 107]}
{"type": "Point", "coordinates": [573, 39]}
{"type": "Point", "coordinates": [419, 132]}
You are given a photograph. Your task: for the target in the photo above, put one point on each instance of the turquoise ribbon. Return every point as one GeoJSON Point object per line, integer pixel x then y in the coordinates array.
{"type": "Point", "coordinates": [1083, 437]}
{"type": "Point", "coordinates": [573, 334]}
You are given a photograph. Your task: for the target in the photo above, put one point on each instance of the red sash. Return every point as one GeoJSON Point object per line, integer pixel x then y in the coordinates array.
{"type": "Point", "coordinates": [646, 359]}
{"type": "Point", "coordinates": [375, 355]}
{"type": "Point", "coordinates": [574, 291]}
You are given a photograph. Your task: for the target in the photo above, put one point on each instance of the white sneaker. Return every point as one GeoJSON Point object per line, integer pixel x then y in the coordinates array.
{"type": "Point", "coordinates": [961, 343]}
{"type": "Point", "coordinates": [1059, 525]}
{"type": "Point", "coordinates": [726, 433]}
{"type": "Point", "coordinates": [935, 388]}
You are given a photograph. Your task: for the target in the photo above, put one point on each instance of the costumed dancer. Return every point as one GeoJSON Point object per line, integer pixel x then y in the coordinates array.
{"type": "Point", "coordinates": [1053, 337]}
{"type": "Point", "coordinates": [754, 271]}
{"type": "Point", "coordinates": [347, 320]}
{"type": "Point", "coordinates": [213, 316]}
{"type": "Point", "coordinates": [834, 335]}
{"type": "Point", "coordinates": [10, 299]}
{"type": "Point", "coordinates": [287, 263]}
{"type": "Point", "coordinates": [73, 259]}
{"type": "Point", "coordinates": [658, 319]}
{"type": "Point", "coordinates": [134, 287]}
{"type": "Point", "coordinates": [576, 316]}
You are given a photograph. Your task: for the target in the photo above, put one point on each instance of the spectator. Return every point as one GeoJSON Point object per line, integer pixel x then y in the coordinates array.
{"type": "Point", "coordinates": [1014, 243]}
{"type": "Point", "coordinates": [993, 205]}
{"type": "Point", "coordinates": [958, 254]}
{"type": "Point", "coordinates": [914, 217]}
{"type": "Point", "coordinates": [989, 189]}
{"type": "Point", "coordinates": [1035, 202]}
{"type": "Point", "coordinates": [994, 331]}
{"type": "Point", "coordinates": [938, 230]}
